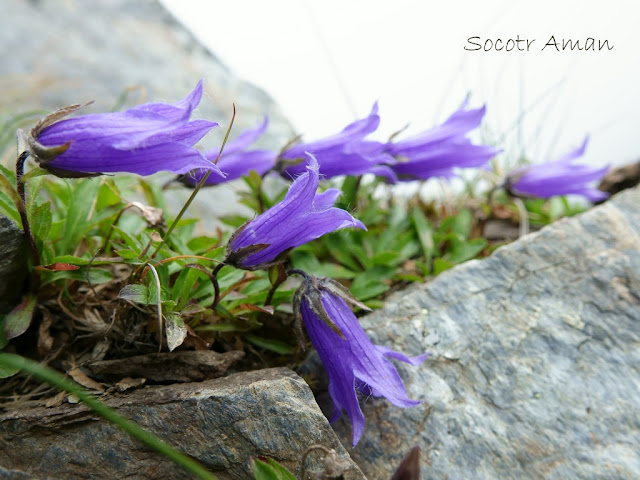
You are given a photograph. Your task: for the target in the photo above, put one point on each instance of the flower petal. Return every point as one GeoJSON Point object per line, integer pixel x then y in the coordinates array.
{"type": "Point", "coordinates": [144, 140]}
{"type": "Point", "coordinates": [353, 362]}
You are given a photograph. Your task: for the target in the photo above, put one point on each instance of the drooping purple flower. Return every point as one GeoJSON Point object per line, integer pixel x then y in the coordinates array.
{"type": "Point", "coordinates": [352, 361]}
{"type": "Point", "coordinates": [558, 177]}
{"type": "Point", "coordinates": [345, 153]}
{"type": "Point", "coordinates": [439, 150]}
{"type": "Point", "coordinates": [145, 139]}
{"type": "Point", "coordinates": [302, 216]}
{"type": "Point", "coordinates": [236, 160]}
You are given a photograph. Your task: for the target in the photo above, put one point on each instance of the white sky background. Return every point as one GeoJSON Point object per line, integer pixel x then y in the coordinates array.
{"type": "Point", "coordinates": [326, 62]}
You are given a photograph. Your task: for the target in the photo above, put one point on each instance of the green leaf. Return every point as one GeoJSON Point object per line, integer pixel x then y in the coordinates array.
{"type": "Point", "coordinates": [272, 345]}
{"type": "Point", "coordinates": [77, 216]}
{"type": "Point", "coordinates": [96, 276]}
{"type": "Point", "coordinates": [199, 245]}
{"type": "Point", "coordinates": [462, 251]}
{"type": "Point", "coordinates": [41, 221]}
{"type": "Point", "coordinates": [308, 262]}
{"type": "Point", "coordinates": [129, 240]}
{"type": "Point", "coordinates": [18, 320]}
{"type": "Point", "coordinates": [80, 261]}
{"type": "Point", "coordinates": [135, 292]}
{"type": "Point", "coordinates": [127, 254]}
{"type": "Point", "coordinates": [8, 208]}
{"type": "Point", "coordinates": [270, 470]}
{"type": "Point", "coordinates": [462, 223]}
{"type": "Point", "coordinates": [440, 265]}
{"type": "Point", "coordinates": [385, 258]}
{"type": "Point", "coordinates": [347, 200]}
{"type": "Point", "coordinates": [425, 233]}
{"type": "Point", "coordinates": [370, 284]}
{"type": "Point", "coordinates": [183, 286]}
{"type": "Point", "coordinates": [253, 180]}
{"type": "Point", "coordinates": [340, 248]}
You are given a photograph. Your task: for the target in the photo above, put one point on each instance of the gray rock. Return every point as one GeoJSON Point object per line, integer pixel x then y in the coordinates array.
{"type": "Point", "coordinates": [534, 366]}
{"type": "Point", "coordinates": [221, 423]}
{"type": "Point", "coordinates": [13, 264]}
{"type": "Point", "coordinates": [59, 53]}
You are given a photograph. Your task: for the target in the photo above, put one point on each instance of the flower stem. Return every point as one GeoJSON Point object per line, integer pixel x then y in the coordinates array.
{"type": "Point", "coordinates": [216, 287]}
{"type": "Point", "coordinates": [22, 207]}
{"type": "Point", "coordinates": [275, 282]}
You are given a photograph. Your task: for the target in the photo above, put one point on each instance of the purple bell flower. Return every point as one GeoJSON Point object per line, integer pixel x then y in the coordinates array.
{"type": "Point", "coordinates": [352, 361]}
{"type": "Point", "coordinates": [437, 151]}
{"type": "Point", "coordinates": [345, 153]}
{"type": "Point", "coordinates": [302, 216]}
{"type": "Point", "coordinates": [236, 161]}
{"type": "Point", "coordinates": [145, 139]}
{"type": "Point", "coordinates": [558, 177]}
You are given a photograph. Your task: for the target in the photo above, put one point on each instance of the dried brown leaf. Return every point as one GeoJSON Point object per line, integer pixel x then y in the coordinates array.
{"type": "Point", "coordinates": [83, 379]}
{"type": "Point", "coordinates": [129, 383]}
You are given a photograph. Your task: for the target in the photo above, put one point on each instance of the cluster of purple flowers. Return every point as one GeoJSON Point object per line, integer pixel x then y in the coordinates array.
{"type": "Point", "coordinates": [156, 136]}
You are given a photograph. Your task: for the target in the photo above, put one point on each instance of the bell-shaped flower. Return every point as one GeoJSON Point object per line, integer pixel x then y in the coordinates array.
{"type": "Point", "coordinates": [145, 139]}
{"type": "Point", "coordinates": [352, 361]}
{"type": "Point", "coordinates": [236, 160]}
{"type": "Point", "coordinates": [437, 152]}
{"type": "Point", "coordinates": [303, 215]}
{"type": "Point", "coordinates": [558, 177]}
{"type": "Point", "coordinates": [345, 153]}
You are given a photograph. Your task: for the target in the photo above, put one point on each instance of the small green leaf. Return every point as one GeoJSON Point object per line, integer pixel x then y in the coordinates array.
{"type": "Point", "coordinates": [18, 320]}
{"type": "Point", "coordinates": [440, 265]}
{"type": "Point", "coordinates": [77, 215]}
{"type": "Point", "coordinates": [385, 258]}
{"type": "Point", "coordinates": [308, 262]}
{"type": "Point", "coordinates": [129, 240]}
{"type": "Point", "coordinates": [462, 251]}
{"type": "Point", "coordinates": [462, 223]}
{"type": "Point", "coordinates": [8, 208]}
{"type": "Point", "coordinates": [135, 292]}
{"type": "Point", "coordinates": [349, 189]}
{"type": "Point", "coordinates": [270, 470]}
{"type": "Point", "coordinates": [253, 180]}
{"type": "Point", "coordinates": [183, 286]}
{"type": "Point", "coordinates": [127, 254]}
{"type": "Point", "coordinates": [425, 233]}
{"type": "Point", "coordinates": [370, 284]}
{"type": "Point", "coordinates": [199, 245]}
{"type": "Point", "coordinates": [80, 261]}
{"type": "Point", "coordinates": [41, 221]}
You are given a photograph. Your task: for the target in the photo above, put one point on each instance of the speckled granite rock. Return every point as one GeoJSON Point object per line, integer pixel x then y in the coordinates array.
{"type": "Point", "coordinates": [535, 359]}
{"type": "Point", "coordinates": [221, 423]}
